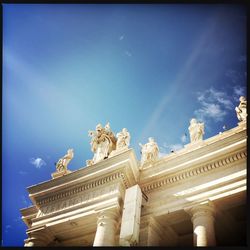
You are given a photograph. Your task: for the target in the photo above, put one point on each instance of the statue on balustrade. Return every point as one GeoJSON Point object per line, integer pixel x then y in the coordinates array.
{"type": "Point", "coordinates": [149, 151]}
{"type": "Point", "coordinates": [63, 162]}
{"type": "Point", "coordinates": [241, 110]}
{"type": "Point", "coordinates": [103, 142]}
{"type": "Point", "coordinates": [123, 139]}
{"type": "Point", "coordinates": [196, 130]}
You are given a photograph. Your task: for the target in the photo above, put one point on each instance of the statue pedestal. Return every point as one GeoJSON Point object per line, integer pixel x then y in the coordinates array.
{"type": "Point", "coordinates": [242, 124]}
{"type": "Point", "coordinates": [59, 174]}
{"type": "Point", "coordinates": [118, 151]}
{"type": "Point", "coordinates": [194, 144]}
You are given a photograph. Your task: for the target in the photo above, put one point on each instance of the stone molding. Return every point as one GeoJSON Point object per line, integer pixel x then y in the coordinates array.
{"type": "Point", "coordinates": [82, 188]}
{"type": "Point", "coordinates": [125, 161]}
{"type": "Point", "coordinates": [78, 200]}
{"type": "Point", "coordinates": [194, 171]}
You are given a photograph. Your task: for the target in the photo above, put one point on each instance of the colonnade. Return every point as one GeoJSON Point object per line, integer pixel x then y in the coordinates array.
{"type": "Point", "coordinates": [202, 217]}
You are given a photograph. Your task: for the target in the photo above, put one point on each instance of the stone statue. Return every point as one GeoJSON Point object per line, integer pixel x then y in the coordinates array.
{"type": "Point", "coordinates": [241, 110]}
{"type": "Point", "coordinates": [63, 162]}
{"type": "Point", "coordinates": [102, 143]}
{"type": "Point", "coordinates": [149, 151]}
{"type": "Point", "coordinates": [123, 139]}
{"type": "Point", "coordinates": [196, 130]}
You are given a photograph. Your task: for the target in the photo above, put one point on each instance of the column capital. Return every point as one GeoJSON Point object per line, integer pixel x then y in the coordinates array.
{"type": "Point", "coordinates": [207, 209]}
{"type": "Point", "coordinates": [38, 237]}
{"type": "Point", "coordinates": [202, 217]}
{"type": "Point", "coordinates": [108, 216]}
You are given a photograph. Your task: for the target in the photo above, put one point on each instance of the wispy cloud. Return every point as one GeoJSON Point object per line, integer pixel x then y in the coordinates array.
{"type": "Point", "coordinates": [7, 228]}
{"type": "Point", "coordinates": [242, 58]}
{"type": "Point", "coordinates": [18, 219]}
{"type": "Point", "coordinates": [210, 110]}
{"type": "Point", "coordinates": [127, 53]}
{"type": "Point", "coordinates": [195, 57]}
{"type": "Point", "coordinates": [168, 148]}
{"type": "Point", "coordinates": [38, 162]}
{"type": "Point", "coordinates": [239, 90]}
{"type": "Point", "coordinates": [175, 147]}
{"type": "Point", "coordinates": [184, 138]}
{"type": "Point", "coordinates": [25, 201]}
{"type": "Point", "coordinates": [22, 172]}
{"type": "Point", "coordinates": [214, 105]}
{"type": "Point", "coordinates": [121, 37]}
{"type": "Point", "coordinates": [236, 77]}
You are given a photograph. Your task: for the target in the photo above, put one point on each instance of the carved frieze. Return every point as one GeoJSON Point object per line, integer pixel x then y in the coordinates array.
{"type": "Point", "coordinates": [194, 172]}
{"type": "Point", "coordinates": [83, 188]}
{"type": "Point", "coordinates": [77, 200]}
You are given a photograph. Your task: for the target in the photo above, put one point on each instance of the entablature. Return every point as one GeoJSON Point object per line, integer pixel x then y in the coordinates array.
{"type": "Point", "coordinates": [209, 155]}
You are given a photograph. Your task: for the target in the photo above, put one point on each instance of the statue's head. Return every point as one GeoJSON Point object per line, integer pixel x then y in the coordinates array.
{"type": "Point", "coordinates": [98, 127]}
{"type": "Point", "coordinates": [70, 152]}
{"type": "Point", "coordinates": [151, 139]}
{"type": "Point", "coordinates": [242, 99]}
{"type": "Point", "coordinates": [193, 121]}
{"type": "Point", "coordinates": [124, 130]}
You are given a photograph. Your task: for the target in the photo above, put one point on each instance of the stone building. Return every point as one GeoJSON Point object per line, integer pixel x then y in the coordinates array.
{"type": "Point", "coordinates": [194, 196]}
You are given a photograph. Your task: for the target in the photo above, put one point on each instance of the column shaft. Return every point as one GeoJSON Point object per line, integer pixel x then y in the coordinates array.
{"type": "Point", "coordinates": [106, 229]}
{"type": "Point", "coordinates": [203, 225]}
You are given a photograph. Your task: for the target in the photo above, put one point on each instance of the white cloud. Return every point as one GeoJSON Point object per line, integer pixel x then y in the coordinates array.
{"type": "Point", "coordinates": [25, 201]}
{"type": "Point", "coordinates": [183, 138]}
{"type": "Point", "coordinates": [232, 74]}
{"type": "Point", "coordinates": [121, 37]}
{"type": "Point", "coordinates": [175, 147]}
{"type": "Point", "coordinates": [18, 219]}
{"type": "Point", "coordinates": [239, 90]}
{"type": "Point", "coordinates": [7, 228]}
{"type": "Point", "coordinates": [171, 147]}
{"type": "Point", "coordinates": [38, 162]}
{"type": "Point", "coordinates": [235, 76]}
{"type": "Point", "coordinates": [210, 110]}
{"type": "Point", "coordinates": [22, 172]}
{"type": "Point", "coordinates": [214, 105]}
{"type": "Point", "coordinates": [127, 53]}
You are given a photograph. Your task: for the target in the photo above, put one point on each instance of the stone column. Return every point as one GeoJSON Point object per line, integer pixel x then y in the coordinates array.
{"type": "Point", "coordinates": [203, 225]}
{"type": "Point", "coordinates": [130, 226]}
{"type": "Point", "coordinates": [38, 238]}
{"type": "Point", "coordinates": [107, 223]}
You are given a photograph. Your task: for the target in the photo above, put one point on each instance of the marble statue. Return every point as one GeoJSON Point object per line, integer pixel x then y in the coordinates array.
{"type": "Point", "coordinates": [63, 162]}
{"type": "Point", "coordinates": [241, 110]}
{"type": "Point", "coordinates": [123, 139]}
{"type": "Point", "coordinates": [196, 130]}
{"type": "Point", "coordinates": [102, 143]}
{"type": "Point", "coordinates": [149, 151]}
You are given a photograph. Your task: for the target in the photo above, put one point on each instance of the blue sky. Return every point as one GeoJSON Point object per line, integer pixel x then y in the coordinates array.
{"type": "Point", "coordinates": [149, 68]}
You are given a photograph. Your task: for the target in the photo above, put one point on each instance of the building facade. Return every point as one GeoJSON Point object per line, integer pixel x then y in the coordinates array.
{"type": "Point", "coordinates": [192, 197]}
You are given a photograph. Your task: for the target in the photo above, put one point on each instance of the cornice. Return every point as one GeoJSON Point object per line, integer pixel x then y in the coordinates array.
{"type": "Point", "coordinates": [189, 173]}
{"type": "Point", "coordinates": [84, 187]}
{"type": "Point", "coordinates": [195, 155]}
{"type": "Point", "coordinates": [122, 167]}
